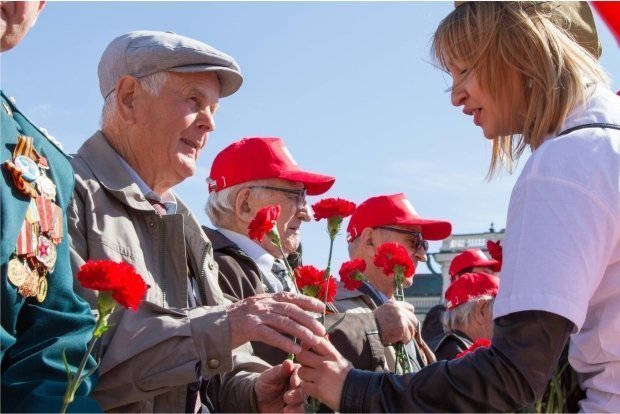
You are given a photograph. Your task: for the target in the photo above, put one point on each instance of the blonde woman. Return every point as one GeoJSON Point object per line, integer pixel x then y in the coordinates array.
{"type": "Point", "coordinates": [527, 84]}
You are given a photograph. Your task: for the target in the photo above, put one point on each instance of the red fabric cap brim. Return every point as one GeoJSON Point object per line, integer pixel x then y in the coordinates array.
{"type": "Point", "coordinates": [315, 184]}
{"type": "Point", "coordinates": [493, 264]}
{"type": "Point", "coordinates": [431, 229]}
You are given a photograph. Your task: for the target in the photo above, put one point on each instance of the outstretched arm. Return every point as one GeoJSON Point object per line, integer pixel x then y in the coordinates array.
{"type": "Point", "coordinates": [508, 376]}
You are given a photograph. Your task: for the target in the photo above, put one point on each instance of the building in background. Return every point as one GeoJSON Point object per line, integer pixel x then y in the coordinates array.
{"type": "Point", "coordinates": [428, 288]}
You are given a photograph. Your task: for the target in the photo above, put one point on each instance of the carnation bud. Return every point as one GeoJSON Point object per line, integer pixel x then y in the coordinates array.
{"type": "Point", "coordinates": [333, 226]}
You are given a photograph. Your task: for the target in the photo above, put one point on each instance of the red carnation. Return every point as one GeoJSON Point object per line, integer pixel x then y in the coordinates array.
{"type": "Point", "coordinates": [263, 222]}
{"type": "Point", "coordinates": [351, 273]}
{"type": "Point", "coordinates": [331, 286]}
{"type": "Point", "coordinates": [495, 250]}
{"type": "Point", "coordinates": [311, 282]}
{"type": "Point", "coordinates": [390, 255]}
{"type": "Point", "coordinates": [479, 343]}
{"type": "Point", "coordinates": [331, 207]}
{"type": "Point", "coordinates": [127, 286]}
{"type": "Point", "coordinates": [308, 276]}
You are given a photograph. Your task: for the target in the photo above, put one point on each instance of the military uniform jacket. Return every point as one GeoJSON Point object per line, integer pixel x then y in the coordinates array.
{"type": "Point", "coordinates": [150, 356]}
{"type": "Point", "coordinates": [34, 334]}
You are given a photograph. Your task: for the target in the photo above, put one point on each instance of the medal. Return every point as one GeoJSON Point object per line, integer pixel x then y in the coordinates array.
{"type": "Point", "coordinates": [46, 187]}
{"type": "Point", "coordinates": [42, 289]}
{"type": "Point", "coordinates": [32, 214]}
{"type": "Point", "coordinates": [44, 207]}
{"type": "Point", "coordinates": [31, 284]}
{"type": "Point", "coordinates": [17, 274]}
{"type": "Point", "coordinates": [29, 169]}
{"type": "Point", "coordinates": [46, 253]}
{"type": "Point", "coordinates": [27, 240]}
{"type": "Point", "coordinates": [41, 229]}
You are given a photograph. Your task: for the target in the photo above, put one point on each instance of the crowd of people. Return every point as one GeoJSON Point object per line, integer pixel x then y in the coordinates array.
{"type": "Point", "coordinates": [221, 316]}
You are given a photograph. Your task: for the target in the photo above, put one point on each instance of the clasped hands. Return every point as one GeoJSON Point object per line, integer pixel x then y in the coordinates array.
{"type": "Point", "coordinates": [321, 371]}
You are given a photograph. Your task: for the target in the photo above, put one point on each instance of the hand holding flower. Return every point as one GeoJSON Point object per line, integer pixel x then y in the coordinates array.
{"type": "Point", "coordinates": [395, 260]}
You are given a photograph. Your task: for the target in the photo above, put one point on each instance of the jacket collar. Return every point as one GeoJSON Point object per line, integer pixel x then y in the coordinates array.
{"type": "Point", "coordinates": [218, 240]}
{"type": "Point", "coordinates": [106, 165]}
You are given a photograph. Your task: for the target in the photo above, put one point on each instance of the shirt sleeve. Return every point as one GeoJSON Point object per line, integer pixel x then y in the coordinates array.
{"type": "Point", "coordinates": [555, 248]}
{"type": "Point", "coordinates": [506, 377]}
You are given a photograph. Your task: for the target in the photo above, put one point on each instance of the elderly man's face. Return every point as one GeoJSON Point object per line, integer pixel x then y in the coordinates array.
{"type": "Point", "coordinates": [17, 18]}
{"type": "Point", "coordinates": [173, 127]}
{"type": "Point", "coordinates": [293, 212]}
{"type": "Point", "coordinates": [408, 241]}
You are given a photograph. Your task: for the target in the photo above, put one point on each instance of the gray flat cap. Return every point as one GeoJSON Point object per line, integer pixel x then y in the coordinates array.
{"type": "Point", "coordinates": [142, 53]}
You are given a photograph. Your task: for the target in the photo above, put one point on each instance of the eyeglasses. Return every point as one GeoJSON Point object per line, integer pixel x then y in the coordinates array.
{"type": "Point", "coordinates": [418, 241]}
{"type": "Point", "coordinates": [300, 195]}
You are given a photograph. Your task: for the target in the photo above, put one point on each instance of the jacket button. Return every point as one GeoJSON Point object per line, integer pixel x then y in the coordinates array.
{"type": "Point", "coordinates": [213, 363]}
{"type": "Point", "coordinates": [211, 266]}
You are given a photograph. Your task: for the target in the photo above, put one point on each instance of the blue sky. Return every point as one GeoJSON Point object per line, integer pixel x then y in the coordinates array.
{"type": "Point", "coordinates": [348, 85]}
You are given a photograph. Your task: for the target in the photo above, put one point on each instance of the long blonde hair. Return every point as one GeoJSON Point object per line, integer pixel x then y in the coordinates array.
{"type": "Point", "coordinates": [497, 39]}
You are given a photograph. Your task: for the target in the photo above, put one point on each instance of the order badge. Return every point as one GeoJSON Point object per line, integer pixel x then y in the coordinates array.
{"type": "Point", "coordinates": [16, 272]}
{"type": "Point", "coordinates": [29, 169]}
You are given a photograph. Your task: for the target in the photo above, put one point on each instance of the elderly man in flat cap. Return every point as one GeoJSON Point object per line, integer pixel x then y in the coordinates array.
{"type": "Point", "coordinates": [175, 353]}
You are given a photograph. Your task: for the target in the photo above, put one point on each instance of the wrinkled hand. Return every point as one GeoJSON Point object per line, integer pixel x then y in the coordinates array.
{"type": "Point", "coordinates": [323, 373]}
{"type": "Point", "coordinates": [272, 384]}
{"type": "Point", "coordinates": [267, 317]}
{"type": "Point", "coordinates": [397, 322]}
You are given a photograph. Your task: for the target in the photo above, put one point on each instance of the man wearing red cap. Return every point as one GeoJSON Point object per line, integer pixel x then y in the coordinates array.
{"type": "Point", "coordinates": [469, 313]}
{"type": "Point", "coordinates": [468, 261]}
{"type": "Point", "coordinates": [246, 176]}
{"type": "Point", "coordinates": [383, 219]}
{"type": "Point", "coordinates": [471, 261]}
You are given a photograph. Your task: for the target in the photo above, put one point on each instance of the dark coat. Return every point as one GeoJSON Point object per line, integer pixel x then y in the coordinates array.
{"type": "Point", "coordinates": [356, 338]}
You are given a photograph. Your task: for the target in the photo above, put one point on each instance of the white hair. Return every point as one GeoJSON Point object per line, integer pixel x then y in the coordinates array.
{"type": "Point", "coordinates": [455, 319]}
{"type": "Point", "coordinates": [220, 207]}
{"type": "Point", "coordinates": [353, 245]}
{"type": "Point", "coordinates": [151, 84]}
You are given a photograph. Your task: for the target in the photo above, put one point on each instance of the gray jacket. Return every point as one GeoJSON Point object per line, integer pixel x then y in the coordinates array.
{"type": "Point", "coordinates": [150, 356]}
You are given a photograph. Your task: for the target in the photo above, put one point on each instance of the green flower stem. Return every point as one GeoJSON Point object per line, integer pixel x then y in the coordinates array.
{"type": "Point", "coordinates": [77, 378]}
{"type": "Point", "coordinates": [402, 356]}
{"type": "Point", "coordinates": [328, 271]}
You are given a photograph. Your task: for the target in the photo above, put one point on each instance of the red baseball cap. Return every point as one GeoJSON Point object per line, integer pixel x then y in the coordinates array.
{"type": "Point", "coordinates": [472, 258]}
{"type": "Point", "coordinates": [396, 210]}
{"type": "Point", "coordinates": [469, 287]}
{"type": "Point", "coordinates": [261, 158]}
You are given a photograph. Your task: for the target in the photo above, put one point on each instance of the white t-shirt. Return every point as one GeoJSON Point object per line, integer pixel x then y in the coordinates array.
{"type": "Point", "coordinates": [562, 245]}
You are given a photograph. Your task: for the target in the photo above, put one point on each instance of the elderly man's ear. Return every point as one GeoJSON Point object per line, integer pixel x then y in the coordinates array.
{"type": "Point", "coordinates": [126, 92]}
{"type": "Point", "coordinates": [243, 206]}
{"type": "Point", "coordinates": [482, 309]}
{"type": "Point", "coordinates": [368, 236]}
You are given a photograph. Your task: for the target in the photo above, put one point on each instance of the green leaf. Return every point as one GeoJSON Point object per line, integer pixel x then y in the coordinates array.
{"type": "Point", "coordinates": [67, 368]}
